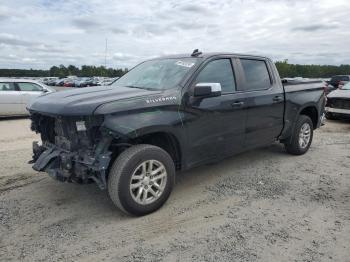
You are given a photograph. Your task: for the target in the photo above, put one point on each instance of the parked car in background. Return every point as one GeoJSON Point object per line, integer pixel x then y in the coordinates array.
{"type": "Point", "coordinates": [69, 83]}
{"type": "Point", "coordinates": [339, 80]}
{"type": "Point", "coordinates": [74, 81]}
{"type": "Point", "coordinates": [90, 82]}
{"type": "Point", "coordinates": [15, 94]}
{"type": "Point", "coordinates": [49, 80]}
{"type": "Point", "coordinates": [110, 81]}
{"type": "Point", "coordinates": [341, 84]}
{"type": "Point", "coordinates": [79, 82]}
{"type": "Point", "coordinates": [338, 103]}
{"type": "Point", "coordinates": [60, 82]}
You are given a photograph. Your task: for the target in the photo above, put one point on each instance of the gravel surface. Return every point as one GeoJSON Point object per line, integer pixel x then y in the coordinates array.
{"type": "Point", "coordinates": [263, 205]}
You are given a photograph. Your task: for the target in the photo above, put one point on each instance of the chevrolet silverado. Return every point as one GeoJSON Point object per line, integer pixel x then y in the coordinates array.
{"type": "Point", "coordinates": [170, 114]}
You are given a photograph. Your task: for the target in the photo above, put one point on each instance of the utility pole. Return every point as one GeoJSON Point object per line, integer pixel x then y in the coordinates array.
{"type": "Point", "coordinates": [106, 54]}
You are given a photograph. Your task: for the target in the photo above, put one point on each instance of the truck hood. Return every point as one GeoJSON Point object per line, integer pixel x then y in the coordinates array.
{"type": "Point", "coordinates": [84, 101]}
{"type": "Point", "coordinates": [339, 93]}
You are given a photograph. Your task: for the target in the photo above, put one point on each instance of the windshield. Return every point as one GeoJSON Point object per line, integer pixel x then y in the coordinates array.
{"type": "Point", "coordinates": [346, 87]}
{"type": "Point", "coordinates": [157, 74]}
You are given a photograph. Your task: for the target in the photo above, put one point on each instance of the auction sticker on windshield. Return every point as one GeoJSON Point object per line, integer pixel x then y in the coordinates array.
{"type": "Point", "coordinates": [185, 64]}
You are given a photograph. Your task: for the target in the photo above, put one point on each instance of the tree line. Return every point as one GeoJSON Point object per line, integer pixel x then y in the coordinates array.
{"type": "Point", "coordinates": [310, 71]}
{"type": "Point", "coordinates": [285, 69]}
{"type": "Point", "coordinates": [63, 71]}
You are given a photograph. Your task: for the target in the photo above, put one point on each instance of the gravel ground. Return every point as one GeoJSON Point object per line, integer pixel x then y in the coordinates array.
{"type": "Point", "coordinates": [262, 205]}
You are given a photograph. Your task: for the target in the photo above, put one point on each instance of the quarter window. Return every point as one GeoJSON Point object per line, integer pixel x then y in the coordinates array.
{"type": "Point", "coordinates": [256, 74]}
{"type": "Point", "coordinates": [7, 86]}
{"type": "Point", "coordinates": [218, 71]}
{"type": "Point", "coordinates": [29, 87]}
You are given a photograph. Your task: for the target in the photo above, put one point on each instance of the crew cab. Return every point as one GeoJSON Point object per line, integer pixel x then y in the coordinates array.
{"type": "Point", "coordinates": [170, 114]}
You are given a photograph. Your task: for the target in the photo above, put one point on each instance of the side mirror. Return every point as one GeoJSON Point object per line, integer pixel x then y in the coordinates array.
{"type": "Point", "coordinates": [207, 90]}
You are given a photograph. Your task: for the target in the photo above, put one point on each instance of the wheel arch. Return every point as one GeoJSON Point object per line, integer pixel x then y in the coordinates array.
{"type": "Point", "coordinates": [312, 112]}
{"type": "Point", "coordinates": [160, 137]}
{"type": "Point", "coordinates": [165, 140]}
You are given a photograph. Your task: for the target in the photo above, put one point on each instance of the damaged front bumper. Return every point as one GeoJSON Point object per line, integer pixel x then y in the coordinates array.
{"type": "Point", "coordinates": [79, 166]}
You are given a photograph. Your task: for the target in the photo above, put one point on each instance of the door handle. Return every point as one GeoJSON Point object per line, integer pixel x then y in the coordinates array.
{"type": "Point", "coordinates": [237, 104]}
{"type": "Point", "coordinates": [277, 99]}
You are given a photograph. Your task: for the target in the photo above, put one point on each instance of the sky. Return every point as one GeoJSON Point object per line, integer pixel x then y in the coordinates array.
{"type": "Point", "coordinates": [41, 33]}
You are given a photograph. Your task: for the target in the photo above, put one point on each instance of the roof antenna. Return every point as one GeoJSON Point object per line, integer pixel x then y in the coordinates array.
{"type": "Point", "coordinates": [196, 53]}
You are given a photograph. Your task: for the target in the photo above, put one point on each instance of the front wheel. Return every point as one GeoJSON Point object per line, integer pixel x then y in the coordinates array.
{"type": "Point", "coordinates": [141, 179]}
{"type": "Point", "coordinates": [301, 137]}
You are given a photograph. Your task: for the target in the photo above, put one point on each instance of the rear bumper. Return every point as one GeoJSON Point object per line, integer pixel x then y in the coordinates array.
{"type": "Point", "coordinates": [338, 110]}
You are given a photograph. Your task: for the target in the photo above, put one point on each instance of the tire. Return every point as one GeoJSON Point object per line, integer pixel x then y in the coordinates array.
{"type": "Point", "coordinates": [132, 164]}
{"type": "Point", "coordinates": [295, 146]}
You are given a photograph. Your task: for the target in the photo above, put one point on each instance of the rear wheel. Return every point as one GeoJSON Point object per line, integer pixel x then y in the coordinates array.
{"type": "Point", "coordinates": [301, 137]}
{"type": "Point", "coordinates": [141, 179]}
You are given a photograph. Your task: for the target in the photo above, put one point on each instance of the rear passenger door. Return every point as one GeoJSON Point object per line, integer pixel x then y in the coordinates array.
{"type": "Point", "coordinates": [264, 101]}
{"type": "Point", "coordinates": [10, 99]}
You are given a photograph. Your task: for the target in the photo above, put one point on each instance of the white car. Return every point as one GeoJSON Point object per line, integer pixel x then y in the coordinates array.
{"type": "Point", "coordinates": [16, 94]}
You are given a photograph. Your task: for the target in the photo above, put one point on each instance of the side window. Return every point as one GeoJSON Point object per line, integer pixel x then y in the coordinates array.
{"type": "Point", "coordinates": [29, 87]}
{"type": "Point", "coordinates": [7, 86]}
{"type": "Point", "coordinates": [256, 74]}
{"type": "Point", "coordinates": [218, 71]}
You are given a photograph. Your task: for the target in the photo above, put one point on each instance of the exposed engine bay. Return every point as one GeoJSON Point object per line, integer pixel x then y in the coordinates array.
{"type": "Point", "coordinates": [73, 149]}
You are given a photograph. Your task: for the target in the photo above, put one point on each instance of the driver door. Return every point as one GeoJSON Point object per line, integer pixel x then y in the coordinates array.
{"type": "Point", "coordinates": [216, 125]}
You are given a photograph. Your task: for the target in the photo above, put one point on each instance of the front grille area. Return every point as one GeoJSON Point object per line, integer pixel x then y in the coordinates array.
{"type": "Point", "coordinates": [339, 103]}
{"type": "Point", "coordinates": [62, 131]}
{"type": "Point", "coordinates": [69, 152]}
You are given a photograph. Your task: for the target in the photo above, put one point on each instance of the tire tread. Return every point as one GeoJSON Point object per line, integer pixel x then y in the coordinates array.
{"type": "Point", "coordinates": [119, 165]}
{"type": "Point", "coordinates": [293, 147]}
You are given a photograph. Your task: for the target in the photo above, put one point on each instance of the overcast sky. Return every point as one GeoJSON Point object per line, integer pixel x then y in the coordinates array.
{"type": "Point", "coordinates": [42, 33]}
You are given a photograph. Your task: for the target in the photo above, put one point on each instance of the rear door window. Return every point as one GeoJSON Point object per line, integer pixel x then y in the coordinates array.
{"type": "Point", "coordinates": [256, 74]}
{"type": "Point", "coordinates": [7, 86]}
{"type": "Point", "coordinates": [29, 87]}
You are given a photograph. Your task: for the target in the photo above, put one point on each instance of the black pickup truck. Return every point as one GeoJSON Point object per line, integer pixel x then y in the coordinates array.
{"type": "Point", "coordinates": [169, 114]}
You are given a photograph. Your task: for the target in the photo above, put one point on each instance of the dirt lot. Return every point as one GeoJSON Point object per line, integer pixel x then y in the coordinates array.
{"type": "Point", "coordinates": [262, 205]}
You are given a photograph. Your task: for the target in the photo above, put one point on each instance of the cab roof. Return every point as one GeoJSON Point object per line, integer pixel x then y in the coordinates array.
{"type": "Point", "coordinates": [204, 55]}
